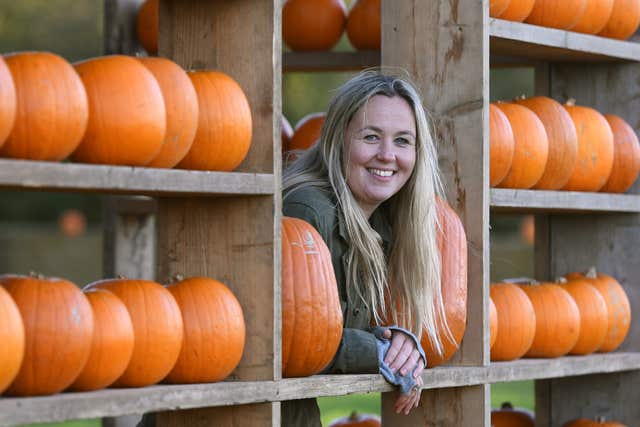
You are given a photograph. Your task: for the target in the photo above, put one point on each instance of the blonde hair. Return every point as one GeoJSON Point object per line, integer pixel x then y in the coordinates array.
{"type": "Point", "coordinates": [412, 276]}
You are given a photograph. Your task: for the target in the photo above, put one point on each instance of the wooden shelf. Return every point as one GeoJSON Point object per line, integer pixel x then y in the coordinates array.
{"type": "Point", "coordinates": [52, 176]}
{"type": "Point", "coordinates": [114, 402]}
{"type": "Point", "coordinates": [536, 201]}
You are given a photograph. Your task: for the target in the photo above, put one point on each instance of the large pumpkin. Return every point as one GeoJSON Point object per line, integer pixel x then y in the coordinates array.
{"type": "Point", "coordinates": [112, 344]}
{"type": "Point", "coordinates": [12, 339]}
{"type": "Point", "coordinates": [595, 149]}
{"type": "Point", "coordinates": [313, 24]}
{"type": "Point", "coordinates": [452, 245]}
{"type": "Point", "coordinates": [357, 420]}
{"type": "Point", "coordinates": [7, 101]}
{"type": "Point", "coordinates": [147, 26]}
{"type": "Point", "coordinates": [311, 312]}
{"type": "Point", "coordinates": [508, 416]}
{"type": "Point", "coordinates": [624, 20]}
{"type": "Point", "coordinates": [224, 131]}
{"type": "Point", "coordinates": [562, 137]}
{"type": "Point", "coordinates": [157, 329]}
{"type": "Point", "coordinates": [493, 323]}
{"type": "Point", "coordinates": [497, 7]}
{"type": "Point", "coordinates": [128, 121]}
{"type": "Point", "coordinates": [181, 105]}
{"type": "Point", "coordinates": [58, 324]}
{"type": "Point", "coordinates": [531, 147]}
{"type": "Point", "coordinates": [563, 14]}
{"type": "Point", "coordinates": [517, 10]}
{"type": "Point", "coordinates": [626, 156]}
{"type": "Point", "coordinates": [52, 109]}
{"type": "Point", "coordinates": [598, 422]}
{"type": "Point", "coordinates": [307, 131]}
{"type": "Point", "coordinates": [364, 25]}
{"type": "Point", "coordinates": [516, 320]}
{"type": "Point", "coordinates": [501, 145]}
{"type": "Point", "coordinates": [214, 331]}
{"type": "Point", "coordinates": [595, 17]}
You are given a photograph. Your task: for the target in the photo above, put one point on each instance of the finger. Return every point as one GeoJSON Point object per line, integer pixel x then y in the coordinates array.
{"type": "Point", "coordinates": [386, 334]}
{"type": "Point", "coordinates": [410, 364]}
{"type": "Point", "coordinates": [404, 401]}
{"type": "Point", "coordinates": [402, 356]}
{"type": "Point", "coordinates": [411, 403]}
{"type": "Point", "coordinates": [418, 395]}
{"type": "Point", "coordinates": [419, 369]}
{"type": "Point", "coordinates": [396, 344]}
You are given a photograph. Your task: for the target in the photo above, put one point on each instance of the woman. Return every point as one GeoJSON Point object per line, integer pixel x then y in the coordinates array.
{"type": "Point", "coordinates": [369, 186]}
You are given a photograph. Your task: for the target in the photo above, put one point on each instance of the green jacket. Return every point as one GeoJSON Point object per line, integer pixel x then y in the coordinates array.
{"type": "Point", "coordinates": [357, 353]}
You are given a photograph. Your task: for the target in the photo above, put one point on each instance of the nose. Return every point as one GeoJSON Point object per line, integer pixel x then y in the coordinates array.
{"type": "Point", "coordinates": [385, 151]}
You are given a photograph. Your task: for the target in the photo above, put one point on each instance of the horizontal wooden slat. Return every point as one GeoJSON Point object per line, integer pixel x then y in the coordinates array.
{"type": "Point", "coordinates": [52, 176]}
{"type": "Point", "coordinates": [114, 402]}
{"type": "Point", "coordinates": [507, 200]}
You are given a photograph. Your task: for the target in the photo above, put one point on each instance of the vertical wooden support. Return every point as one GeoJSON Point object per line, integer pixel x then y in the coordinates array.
{"type": "Point", "coordinates": [444, 46]}
{"type": "Point", "coordinates": [120, 26]}
{"type": "Point", "coordinates": [233, 239]}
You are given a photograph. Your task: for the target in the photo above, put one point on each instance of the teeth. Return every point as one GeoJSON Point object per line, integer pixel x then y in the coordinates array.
{"type": "Point", "coordinates": [380, 172]}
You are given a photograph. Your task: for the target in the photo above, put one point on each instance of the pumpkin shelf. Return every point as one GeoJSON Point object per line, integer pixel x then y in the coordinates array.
{"type": "Point", "coordinates": [510, 200]}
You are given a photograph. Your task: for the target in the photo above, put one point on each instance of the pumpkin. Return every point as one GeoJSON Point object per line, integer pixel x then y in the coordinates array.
{"type": "Point", "coordinates": [557, 319]}
{"type": "Point", "coordinates": [181, 105]}
{"type": "Point", "coordinates": [452, 245]}
{"type": "Point", "coordinates": [618, 307]}
{"type": "Point", "coordinates": [157, 329]}
{"type": "Point", "coordinates": [311, 312]}
{"type": "Point", "coordinates": [595, 17]}
{"type": "Point", "coordinates": [364, 25]}
{"type": "Point", "coordinates": [501, 145]}
{"type": "Point", "coordinates": [517, 10]}
{"type": "Point", "coordinates": [595, 149]}
{"type": "Point", "coordinates": [223, 137]}
{"type": "Point", "coordinates": [624, 20]}
{"type": "Point", "coordinates": [112, 343]}
{"type": "Point", "coordinates": [531, 148]}
{"type": "Point", "coordinates": [562, 137]}
{"type": "Point", "coordinates": [313, 24]}
{"type": "Point", "coordinates": [626, 156]}
{"type": "Point", "coordinates": [357, 420]}
{"type": "Point", "coordinates": [214, 331]}
{"type": "Point", "coordinates": [286, 133]}
{"type": "Point", "coordinates": [58, 325]}
{"type": "Point", "coordinates": [307, 131]}
{"type": "Point", "coordinates": [516, 320]}
{"type": "Point", "coordinates": [51, 111]}
{"type": "Point", "coordinates": [594, 317]}
{"type": "Point", "coordinates": [7, 101]}
{"type": "Point", "coordinates": [147, 26]}
{"type": "Point", "coordinates": [493, 323]}
{"type": "Point", "coordinates": [497, 7]}
{"type": "Point", "coordinates": [12, 339]}
{"type": "Point", "coordinates": [563, 15]}
{"type": "Point", "coordinates": [508, 416]}
{"type": "Point", "coordinates": [128, 121]}
{"type": "Point", "coordinates": [598, 422]}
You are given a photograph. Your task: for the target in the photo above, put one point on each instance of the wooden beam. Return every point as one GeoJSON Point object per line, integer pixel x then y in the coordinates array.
{"type": "Point", "coordinates": [539, 201]}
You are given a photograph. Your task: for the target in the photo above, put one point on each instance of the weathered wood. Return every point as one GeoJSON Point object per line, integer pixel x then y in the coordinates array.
{"type": "Point", "coordinates": [120, 27]}
{"type": "Point", "coordinates": [508, 200]}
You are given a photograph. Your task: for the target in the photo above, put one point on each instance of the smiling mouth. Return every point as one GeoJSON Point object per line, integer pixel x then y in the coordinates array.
{"type": "Point", "coordinates": [380, 172]}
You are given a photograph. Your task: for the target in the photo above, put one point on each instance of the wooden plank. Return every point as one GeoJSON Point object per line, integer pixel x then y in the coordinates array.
{"type": "Point", "coordinates": [120, 27]}
{"type": "Point", "coordinates": [508, 200]}
{"type": "Point", "coordinates": [50, 176]}
{"type": "Point", "coordinates": [330, 61]}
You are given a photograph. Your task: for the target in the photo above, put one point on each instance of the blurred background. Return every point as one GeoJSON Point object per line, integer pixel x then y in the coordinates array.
{"type": "Point", "coordinates": [60, 234]}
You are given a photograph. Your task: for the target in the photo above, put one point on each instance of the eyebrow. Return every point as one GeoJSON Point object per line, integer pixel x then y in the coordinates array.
{"type": "Point", "coordinates": [377, 129]}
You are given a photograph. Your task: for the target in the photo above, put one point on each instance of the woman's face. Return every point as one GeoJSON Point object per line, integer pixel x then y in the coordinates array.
{"type": "Point", "coordinates": [380, 150]}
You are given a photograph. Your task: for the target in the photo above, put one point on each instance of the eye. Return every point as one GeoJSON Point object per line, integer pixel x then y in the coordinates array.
{"type": "Point", "coordinates": [403, 141]}
{"type": "Point", "coordinates": [371, 137]}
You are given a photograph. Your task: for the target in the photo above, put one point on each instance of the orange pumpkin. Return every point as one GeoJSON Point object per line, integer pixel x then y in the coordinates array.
{"type": "Point", "coordinates": [452, 245]}
{"type": "Point", "coordinates": [58, 324]}
{"type": "Point", "coordinates": [516, 320]}
{"type": "Point", "coordinates": [181, 104]}
{"type": "Point", "coordinates": [531, 147]}
{"type": "Point", "coordinates": [501, 145]}
{"type": "Point", "coordinates": [313, 24]}
{"type": "Point", "coordinates": [497, 7]}
{"type": "Point", "coordinates": [157, 329]}
{"type": "Point", "coordinates": [12, 339]}
{"type": "Point", "coordinates": [307, 131]}
{"type": "Point", "coordinates": [563, 141]}
{"type": "Point", "coordinates": [147, 26]}
{"type": "Point", "coordinates": [214, 331]}
{"type": "Point", "coordinates": [595, 17]}
{"type": "Point", "coordinates": [7, 101]}
{"type": "Point", "coordinates": [364, 25]}
{"type": "Point", "coordinates": [626, 156]}
{"type": "Point", "coordinates": [112, 344]}
{"type": "Point", "coordinates": [52, 109]}
{"type": "Point", "coordinates": [508, 416]}
{"type": "Point", "coordinates": [493, 323]}
{"type": "Point", "coordinates": [287, 133]}
{"type": "Point", "coordinates": [595, 149]}
{"type": "Point", "coordinates": [311, 312]}
{"type": "Point", "coordinates": [563, 15]}
{"type": "Point", "coordinates": [357, 420]}
{"type": "Point", "coordinates": [598, 422]}
{"type": "Point", "coordinates": [594, 317]}
{"type": "Point", "coordinates": [517, 10]}
{"type": "Point", "coordinates": [624, 20]}
{"type": "Point", "coordinates": [128, 121]}
{"type": "Point", "coordinates": [618, 307]}
{"type": "Point", "coordinates": [223, 137]}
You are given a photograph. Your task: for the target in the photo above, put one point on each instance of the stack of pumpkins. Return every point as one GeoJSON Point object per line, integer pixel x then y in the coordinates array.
{"type": "Point", "coordinates": [121, 110]}
{"type": "Point", "coordinates": [539, 143]}
{"type": "Point", "coordinates": [306, 133]}
{"type": "Point", "coordinates": [116, 332]}
{"type": "Point", "coordinates": [618, 19]}
{"type": "Point", "coordinates": [579, 314]}
{"type": "Point", "coordinates": [508, 416]}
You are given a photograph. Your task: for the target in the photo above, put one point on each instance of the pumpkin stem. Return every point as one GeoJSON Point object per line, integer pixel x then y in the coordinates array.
{"type": "Point", "coordinates": [600, 419]}
{"type": "Point", "coordinates": [506, 405]}
{"type": "Point", "coordinates": [353, 416]}
{"type": "Point", "coordinates": [179, 277]}
{"type": "Point", "coordinates": [36, 275]}
{"type": "Point", "coordinates": [121, 277]}
{"type": "Point", "coordinates": [570, 102]}
{"type": "Point", "coordinates": [561, 279]}
{"type": "Point", "coordinates": [592, 273]}
{"type": "Point", "coordinates": [519, 97]}
{"type": "Point", "coordinates": [521, 281]}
